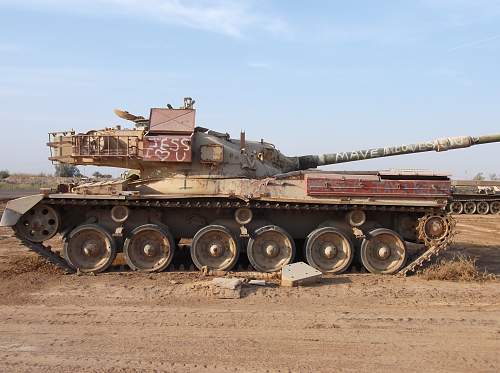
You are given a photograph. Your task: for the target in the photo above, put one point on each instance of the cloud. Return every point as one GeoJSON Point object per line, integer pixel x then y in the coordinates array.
{"type": "Point", "coordinates": [226, 17]}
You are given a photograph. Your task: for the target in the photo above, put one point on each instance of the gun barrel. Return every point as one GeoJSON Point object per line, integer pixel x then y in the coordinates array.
{"type": "Point", "coordinates": [439, 145]}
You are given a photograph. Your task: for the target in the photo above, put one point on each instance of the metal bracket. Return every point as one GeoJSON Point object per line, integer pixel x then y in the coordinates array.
{"type": "Point", "coordinates": [358, 233]}
{"type": "Point", "coordinates": [118, 232]}
{"type": "Point", "coordinates": [244, 232]}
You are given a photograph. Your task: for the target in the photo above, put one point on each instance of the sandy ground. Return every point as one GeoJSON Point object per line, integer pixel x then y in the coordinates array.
{"type": "Point", "coordinates": [175, 322]}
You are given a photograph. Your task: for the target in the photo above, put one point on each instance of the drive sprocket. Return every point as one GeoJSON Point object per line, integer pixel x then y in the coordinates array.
{"type": "Point", "coordinates": [436, 231]}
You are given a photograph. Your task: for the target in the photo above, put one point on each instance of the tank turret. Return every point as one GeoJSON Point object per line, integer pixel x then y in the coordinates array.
{"type": "Point", "coordinates": [168, 144]}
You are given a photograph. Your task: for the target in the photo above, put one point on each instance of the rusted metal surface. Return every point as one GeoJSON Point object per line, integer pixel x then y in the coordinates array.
{"type": "Point", "coordinates": [413, 173]}
{"type": "Point", "coordinates": [167, 148]}
{"type": "Point", "coordinates": [211, 153]}
{"type": "Point", "coordinates": [105, 145]}
{"type": "Point", "coordinates": [249, 274]}
{"type": "Point", "coordinates": [109, 187]}
{"type": "Point", "coordinates": [172, 121]}
{"type": "Point", "coordinates": [322, 186]}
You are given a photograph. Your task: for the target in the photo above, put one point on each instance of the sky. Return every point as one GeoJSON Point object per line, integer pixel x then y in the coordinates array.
{"type": "Point", "coordinates": [311, 77]}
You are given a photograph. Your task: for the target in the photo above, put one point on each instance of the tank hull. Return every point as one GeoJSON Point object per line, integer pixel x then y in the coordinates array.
{"type": "Point", "coordinates": [297, 204]}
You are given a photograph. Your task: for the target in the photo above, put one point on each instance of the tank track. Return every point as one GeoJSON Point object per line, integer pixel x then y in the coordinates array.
{"type": "Point", "coordinates": [420, 261]}
{"type": "Point", "coordinates": [46, 253]}
{"type": "Point", "coordinates": [213, 203]}
{"type": "Point", "coordinates": [434, 247]}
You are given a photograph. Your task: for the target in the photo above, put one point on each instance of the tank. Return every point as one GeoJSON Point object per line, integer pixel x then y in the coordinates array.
{"type": "Point", "coordinates": [475, 197]}
{"type": "Point", "coordinates": [233, 202]}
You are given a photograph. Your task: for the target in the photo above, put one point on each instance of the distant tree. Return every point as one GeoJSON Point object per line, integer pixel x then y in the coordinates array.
{"type": "Point", "coordinates": [494, 177]}
{"type": "Point", "coordinates": [4, 174]}
{"type": "Point", "coordinates": [67, 170]}
{"type": "Point", "coordinates": [479, 176]}
{"type": "Point", "coordinates": [98, 175]}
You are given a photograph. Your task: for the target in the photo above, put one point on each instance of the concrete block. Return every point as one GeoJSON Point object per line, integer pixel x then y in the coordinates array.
{"type": "Point", "coordinates": [227, 283]}
{"type": "Point", "coordinates": [227, 288]}
{"type": "Point", "coordinates": [299, 274]}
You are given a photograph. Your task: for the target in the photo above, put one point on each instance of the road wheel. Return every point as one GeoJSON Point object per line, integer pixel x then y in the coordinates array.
{"type": "Point", "coordinates": [149, 248]}
{"type": "Point", "coordinates": [456, 207]}
{"type": "Point", "coordinates": [40, 223]}
{"type": "Point", "coordinates": [495, 207]}
{"type": "Point", "coordinates": [270, 248]}
{"type": "Point", "coordinates": [383, 251]}
{"type": "Point", "coordinates": [89, 248]}
{"type": "Point", "coordinates": [483, 207]}
{"type": "Point", "coordinates": [329, 250]}
{"type": "Point", "coordinates": [214, 247]}
{"type": "Point", "coordinates": [470, 207]}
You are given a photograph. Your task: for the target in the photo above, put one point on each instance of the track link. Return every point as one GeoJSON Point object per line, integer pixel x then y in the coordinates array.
{"type": "Point", "coordinates": [46, 253]}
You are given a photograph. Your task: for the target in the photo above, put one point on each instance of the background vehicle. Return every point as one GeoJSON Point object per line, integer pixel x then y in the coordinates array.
{"type": "Point", "coordinates": [475, 197]}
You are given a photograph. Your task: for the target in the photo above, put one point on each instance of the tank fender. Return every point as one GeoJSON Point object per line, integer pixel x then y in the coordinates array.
{"type": "Point", "coordinates": [18, 207]}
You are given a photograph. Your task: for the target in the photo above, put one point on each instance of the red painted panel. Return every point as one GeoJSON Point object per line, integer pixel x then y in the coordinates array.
{"type": "Point", "coordinates": [167, 148]}
{"type": "Point", "coordinates": [378, 188]}
{"type": "Point", "coordinates": [178, 121]}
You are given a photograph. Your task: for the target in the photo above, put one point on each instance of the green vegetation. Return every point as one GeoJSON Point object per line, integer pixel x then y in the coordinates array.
{"type": "Point", "coordinates": [479, 176]}
{"type": "Point", "coordinates": [98, 175]}
{"type": "Point", "coordinates": [4, 174]}
{"type": "Point", "coordinates": [67, 170]}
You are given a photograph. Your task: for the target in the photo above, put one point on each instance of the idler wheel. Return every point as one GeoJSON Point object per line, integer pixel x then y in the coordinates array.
{"type": "Point", "coordinates": [89, 248]}
{"type": "Point", "coordinates": [495, 207]}
{"type": "Point", "coordinates": [436, 227]}
{"type": "Point", "coordinates": [483, 207]}
{"type": "Point", "coordinates": [149, 248]}
{"type": "Point", "coordinates": [470, 207]}
{"type": "Point", "coordinates": [40, 223]}
{"type": "Point", "coordinates": [214, 247]}
{"type": "Point", "coordinates": [270, 248]}
{"type": "Point", "coordinates": [383, 251]}
{"type": "Point", "coordinates": [456, 207]}
{"type": "Point", "coordinates": [329, 250]}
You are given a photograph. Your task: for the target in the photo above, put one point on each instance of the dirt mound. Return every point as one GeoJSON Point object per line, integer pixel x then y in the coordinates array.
{"type": "Point", "coordinates": [458, 268]}
{"type": "Point", "coordinates": [31, 264]}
